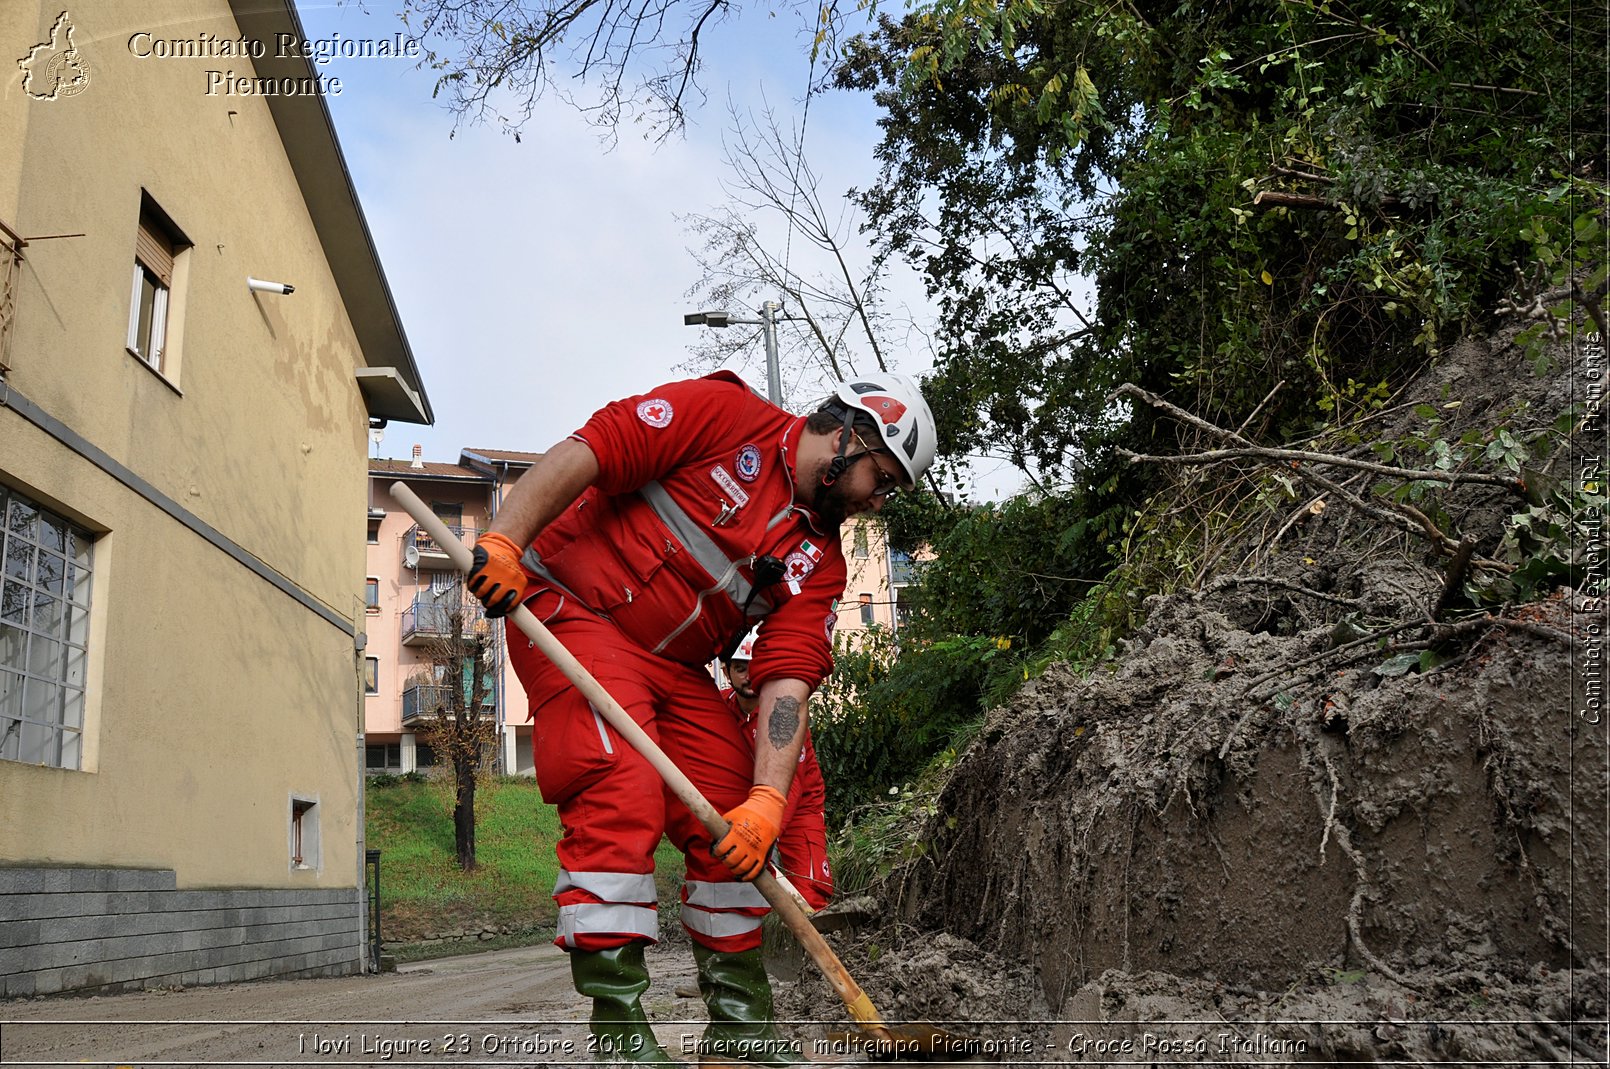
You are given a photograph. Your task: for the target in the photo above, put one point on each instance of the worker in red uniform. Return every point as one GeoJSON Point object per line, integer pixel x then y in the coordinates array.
{"type": "Point", "coordinates": [649, 541]}
{"type": "Point", "coordinates": [801, 853]}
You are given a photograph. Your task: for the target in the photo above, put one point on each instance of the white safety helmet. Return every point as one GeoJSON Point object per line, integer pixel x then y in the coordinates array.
{"type": "Point", "coordinates": [746, 648]}
{"type": "Point", "coordinates": [896, 405]}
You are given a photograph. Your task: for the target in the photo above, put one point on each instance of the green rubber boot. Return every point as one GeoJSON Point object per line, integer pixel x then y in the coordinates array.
{"type": "Point", "coordinates": [738, 996]}
{"type": "Point", "coordinates": [614, 979]}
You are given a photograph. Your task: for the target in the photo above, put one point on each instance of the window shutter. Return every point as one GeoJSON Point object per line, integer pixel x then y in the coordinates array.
{"type": "Point", "coordinates": [154, 249]}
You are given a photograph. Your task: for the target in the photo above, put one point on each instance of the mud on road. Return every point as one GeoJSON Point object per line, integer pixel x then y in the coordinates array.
{"type": "Point", "coordinates": [512, 1007]}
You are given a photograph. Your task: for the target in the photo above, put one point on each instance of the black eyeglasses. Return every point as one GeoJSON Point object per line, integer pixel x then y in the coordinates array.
{"type": "Point", "coordinates": [888, 485]}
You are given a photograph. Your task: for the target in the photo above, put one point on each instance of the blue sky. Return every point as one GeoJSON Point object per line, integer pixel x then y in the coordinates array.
{"type": "Point", "coordinates": [539, 280]}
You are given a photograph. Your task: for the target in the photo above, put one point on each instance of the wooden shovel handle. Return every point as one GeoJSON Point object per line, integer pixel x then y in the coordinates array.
{"type": "Point", "coordinates": [855, 1000]}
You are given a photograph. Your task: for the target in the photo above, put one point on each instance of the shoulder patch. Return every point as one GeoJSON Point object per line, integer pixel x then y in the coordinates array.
{"type": "Point", "coordinates": [748, 463]}
{"type": "Point", "coordinates": [797, 566]}
{"type": "Point", "coordinates": [656, 412]}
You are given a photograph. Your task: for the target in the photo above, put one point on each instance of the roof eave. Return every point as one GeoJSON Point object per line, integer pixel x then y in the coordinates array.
{"type": "Point", "coordinates": [307, 133]}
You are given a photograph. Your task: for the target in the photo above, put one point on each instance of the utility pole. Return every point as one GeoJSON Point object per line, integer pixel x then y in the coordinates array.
{"type": "Point", "coordinates": [774, 378]}
{"type": "Point", "coordinates": [770, 313]}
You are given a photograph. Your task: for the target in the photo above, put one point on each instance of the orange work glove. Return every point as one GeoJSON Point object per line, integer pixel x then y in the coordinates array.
{"type": "Point", "coordinates": [755, 825]}
{"type": "Point", "coordinates": [496, 576]}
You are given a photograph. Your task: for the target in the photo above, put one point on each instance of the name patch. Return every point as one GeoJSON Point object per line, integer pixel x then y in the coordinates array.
{"type": "Point", "coordinates": [740, 496]}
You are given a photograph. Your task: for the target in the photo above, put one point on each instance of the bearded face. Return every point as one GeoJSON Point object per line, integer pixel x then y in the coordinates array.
{"type": "Point", "coordinates": [738, 676]}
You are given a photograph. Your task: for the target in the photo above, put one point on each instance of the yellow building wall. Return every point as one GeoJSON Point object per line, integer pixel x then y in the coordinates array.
{"type": "Point", "coordinates": [214, 697]}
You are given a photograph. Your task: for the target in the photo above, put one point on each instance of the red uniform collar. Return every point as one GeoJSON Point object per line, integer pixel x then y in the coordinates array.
{"type": "Point", "coordinates": [790, 439]}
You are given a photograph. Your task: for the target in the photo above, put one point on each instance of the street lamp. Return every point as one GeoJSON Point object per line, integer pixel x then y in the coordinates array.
{"type": "Point", "coordinates": [768, 324]}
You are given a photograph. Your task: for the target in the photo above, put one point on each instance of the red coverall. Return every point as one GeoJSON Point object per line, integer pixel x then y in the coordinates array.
{"type": "Point", "coordinates": [802, 846]}
{"type": "Point", "coordinates": [644, 578]}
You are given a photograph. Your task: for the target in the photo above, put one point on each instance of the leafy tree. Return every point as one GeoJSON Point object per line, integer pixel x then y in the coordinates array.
{"type": "Point", "coordinates": [1292, 190]}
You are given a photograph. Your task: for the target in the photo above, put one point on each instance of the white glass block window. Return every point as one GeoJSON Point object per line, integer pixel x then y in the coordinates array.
{"type": "Point", "coordinates": [44, 632]}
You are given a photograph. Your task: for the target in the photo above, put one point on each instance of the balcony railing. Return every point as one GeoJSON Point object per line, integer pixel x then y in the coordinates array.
{"type": "Point", "coordinates": [421, 551]}
{"type": "Point", "coordinates": [423, 699]}
{"type": "Point", "coordinates": [427, 621]}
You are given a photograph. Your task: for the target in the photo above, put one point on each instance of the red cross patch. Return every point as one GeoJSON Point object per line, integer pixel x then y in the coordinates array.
{"type": "Point", "coordinates": [656, 412]}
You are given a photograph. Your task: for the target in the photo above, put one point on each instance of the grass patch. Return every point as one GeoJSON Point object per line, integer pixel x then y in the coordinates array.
{"type": "Point", "coordinates": [423, 891]}
{"type": "Point", "coordinates": [431, 951]}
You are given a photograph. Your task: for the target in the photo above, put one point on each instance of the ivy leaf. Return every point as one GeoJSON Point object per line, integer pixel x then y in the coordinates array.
{"type": "Point", "coordinates": [1398, 666]}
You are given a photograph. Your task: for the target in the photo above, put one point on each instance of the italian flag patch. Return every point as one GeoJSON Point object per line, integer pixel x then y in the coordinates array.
{"type": "Point", "coordinates": [811, 550]}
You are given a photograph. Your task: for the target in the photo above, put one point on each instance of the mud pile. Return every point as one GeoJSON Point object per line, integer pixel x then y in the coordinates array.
{"type": "Point", "coordinates": [1258, 836]}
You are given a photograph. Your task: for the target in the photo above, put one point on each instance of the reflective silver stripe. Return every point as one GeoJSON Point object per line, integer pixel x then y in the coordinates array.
{"type": "Point", "coordinates": [718, 925]}
{"type": "Point", "coordinates": [725, 895]}
{"type": "Point", "coordinates": [610, 886]}
{"type": "Point", "coordinates": [708, 555]}
{"type": "Point", "coordinates": [591, 919]}
{"type": "Point", "coordinates": [603, 736]}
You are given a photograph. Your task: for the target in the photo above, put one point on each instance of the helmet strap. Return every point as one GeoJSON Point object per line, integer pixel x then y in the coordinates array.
{"type": "Point", "coordinates": [837, 466]}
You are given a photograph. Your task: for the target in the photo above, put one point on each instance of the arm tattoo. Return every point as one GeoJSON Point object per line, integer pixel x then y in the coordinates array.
{"type": "Point", "coordinates": [784, 722]}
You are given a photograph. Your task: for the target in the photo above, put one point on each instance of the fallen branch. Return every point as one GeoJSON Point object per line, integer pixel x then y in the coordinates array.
{"type": "Point", "coordinates": [1300, 456]}
{"type": "Point", "coordinates": [1458, 567]}
{"type": "Point", "coordinates": [1591, 304]}
{"type": "Point", "coordinates": [1276, 198]}
{"type": "Point", "coordinates": [1296, 588]}
{"type": "Point", "coordinates": [1405, 517]}
{"type": "Point", "coordinates": [1292, 172]}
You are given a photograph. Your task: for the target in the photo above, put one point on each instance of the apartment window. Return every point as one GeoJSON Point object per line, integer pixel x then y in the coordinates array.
{"type": "Point", "coordinates": [371, 675]}
{"type": "Point", "coordinates": [371, 594]}
{"type": "Point", "coordinates": [866, 610]}
{"type": "Point", "coordinates": [44, 632]}
{"type": "Point", "coordinates": [304, 833]}
{"type": "Point", "coordinates": [383, 756]}
{"type": "Point", "coordinates": [157, 249]}
{"type": "Point", "coordinates": [862, 549]}
{"type": "Point", "coordinates": [374, 531]}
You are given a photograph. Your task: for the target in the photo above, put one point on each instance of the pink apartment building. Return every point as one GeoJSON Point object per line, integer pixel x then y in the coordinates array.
{"type": "Point", "coordinates": [407, 574]}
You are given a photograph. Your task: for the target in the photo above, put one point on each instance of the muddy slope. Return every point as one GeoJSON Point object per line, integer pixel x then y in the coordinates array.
{"type": "Point", "coordinates": [1456, 822]}
{"type": "Point", "coordinates": [1246, 824]}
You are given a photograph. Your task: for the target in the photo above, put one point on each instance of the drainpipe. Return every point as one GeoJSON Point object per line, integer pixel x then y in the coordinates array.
{"type": "Point", "coordinates": [361, 643]}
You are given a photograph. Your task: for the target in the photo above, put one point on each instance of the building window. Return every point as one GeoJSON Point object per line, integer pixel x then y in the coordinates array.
{"type": "Point", "coordinates": [371, 675]}
{"type": "Point", "coordinates": [374, 531]}
{"type": "Point", "coordinates": [304, 833]}
{"type": "Point", "coordinates": [157, 249]}
{"type": "Point", "coordinates": [866, 610]}
{"type": "Point", "coordinates": [383, 757]}
{"type": "Point", "coordinates": [371, 594]}
{"type": "Point", "coordinates": [44, 632]}
{"type": "Point", "coordinates": [862, 549]}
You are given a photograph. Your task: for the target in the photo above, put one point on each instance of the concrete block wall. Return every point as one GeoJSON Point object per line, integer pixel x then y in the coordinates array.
{"type": "Point", "coordinates": [103, 930]}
